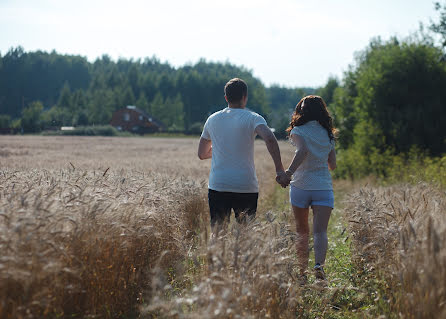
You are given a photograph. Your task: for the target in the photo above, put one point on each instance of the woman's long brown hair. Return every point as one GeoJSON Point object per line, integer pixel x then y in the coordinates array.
{"type": "Point", "coordinates": [312, 108]}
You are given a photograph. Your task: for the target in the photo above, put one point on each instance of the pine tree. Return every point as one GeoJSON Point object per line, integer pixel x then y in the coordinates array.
{"type": "Point", "coordinates": [142, 103]}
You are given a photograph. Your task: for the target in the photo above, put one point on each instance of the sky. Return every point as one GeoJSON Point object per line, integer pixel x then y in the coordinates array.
{"type": "Point", "coordinates": [291, 43]}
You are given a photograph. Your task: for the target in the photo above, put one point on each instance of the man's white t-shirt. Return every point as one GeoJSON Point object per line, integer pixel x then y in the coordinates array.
{"type": "Point", "coordinates": [232, 132]}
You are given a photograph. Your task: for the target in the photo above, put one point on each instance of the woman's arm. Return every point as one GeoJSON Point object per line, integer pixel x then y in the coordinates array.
{"type": "Point", "coordinates": [299, 156]}
{"type": "Point", "coordinates": [332, 160]}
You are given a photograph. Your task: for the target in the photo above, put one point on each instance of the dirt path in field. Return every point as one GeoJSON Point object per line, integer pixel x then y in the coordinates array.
{"type": "Point", "coordinates": [347, 295]}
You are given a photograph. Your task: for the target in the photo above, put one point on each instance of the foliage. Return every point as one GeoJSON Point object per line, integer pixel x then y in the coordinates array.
{"type": "Point", "coordinates": [97, 130]}
{"type": "Point", "coordinates": [393, 99]}
{"type": "Point", "coordinates": [32, 118]}
{"type": "Point", "coordinates": [411, 167]}
{"type": "Point", "coordinates": [5, 121]}
{"type": "Point", "coordinates": [283, 101]}
{"type": "Point", "coordinates": [196, 128]}
{"type": "Point", "coordinates": [327, 91]}
{"type": "Point", "coordinates": [169, 111]}
{"type": "Point", "coordinates": [75, 90]}
{"type": "Point", "coordinates": [388, 111]}
{"type": "Point", "coordinates": [57, 117]}
{"type": "Point", "coordinates": [440, 26]}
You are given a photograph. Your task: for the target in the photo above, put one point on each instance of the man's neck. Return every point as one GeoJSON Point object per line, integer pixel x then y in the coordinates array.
{"type": "Point", "coordinates": [232, 106]}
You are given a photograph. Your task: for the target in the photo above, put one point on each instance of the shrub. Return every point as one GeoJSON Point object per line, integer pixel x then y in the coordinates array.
{"type": "Point", "coordinates": [196, 128]}
{"type": "Point", "coordinates": [411, 167]}
{"type": "Point", "coordinates": [100, 130]}
{"type": "Point", "coordinates": [32, 121]}
{"type": "Point", "coordinates": [5, 121]}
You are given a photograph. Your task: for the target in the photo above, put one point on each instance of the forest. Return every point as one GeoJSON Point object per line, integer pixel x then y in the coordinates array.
{"type": "Point", "coordinates": [49, 89]}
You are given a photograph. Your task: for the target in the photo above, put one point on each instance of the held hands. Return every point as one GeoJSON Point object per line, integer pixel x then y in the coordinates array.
{"type": "Point", "coordinates": [283, 178]}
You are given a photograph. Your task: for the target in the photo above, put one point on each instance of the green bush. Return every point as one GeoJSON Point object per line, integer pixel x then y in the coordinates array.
{"type": "Point", "coordinates": [103, 130]}
{"type": "Point", "coordinates": [196, 128]}
{"type": "Point", "coordinates": [412, 167]}
{"type": "Point", "coordinates": [5, 121]}
{"type": "Point", "coordinates": [393, 97]}
{"type": "Point", "coordinates": [32, 121]}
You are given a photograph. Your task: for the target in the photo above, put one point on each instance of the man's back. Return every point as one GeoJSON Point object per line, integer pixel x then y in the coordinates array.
{"type": "Point", "coordinates": [232, 131]}
{"type": "Point", "coordinates": [228, 138]}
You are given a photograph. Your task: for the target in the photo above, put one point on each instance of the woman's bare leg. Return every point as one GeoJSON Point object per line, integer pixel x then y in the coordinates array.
{"type": "Point", "coordinates": [302, 229]}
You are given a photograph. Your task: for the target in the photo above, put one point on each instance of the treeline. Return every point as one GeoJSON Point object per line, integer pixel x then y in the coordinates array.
{"type": "Point", "coordinates": [391, 108]}
{"type": "Point", "coordinates": [40, 90]}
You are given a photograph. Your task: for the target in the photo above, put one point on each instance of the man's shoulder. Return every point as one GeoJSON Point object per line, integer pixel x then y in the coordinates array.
{"type": "Point", "coordinates": [254, 113]}
{"type": "Point", "coordinates": [216, 114]}
{"type": "Point", "coordinates": [224, 113]}
{"type": "Point", "coordinates": [256, 118]}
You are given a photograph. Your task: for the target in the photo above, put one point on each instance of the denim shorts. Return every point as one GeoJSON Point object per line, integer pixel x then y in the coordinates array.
{"type": "Point", "coordinates": [304, 199]}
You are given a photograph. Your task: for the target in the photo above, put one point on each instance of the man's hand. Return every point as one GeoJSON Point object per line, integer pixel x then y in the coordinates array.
{"type": "Point", "coordinates": [283, 179]}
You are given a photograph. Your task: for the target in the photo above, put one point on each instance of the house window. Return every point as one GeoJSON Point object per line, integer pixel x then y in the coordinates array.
{"type": "Point", "coordinates": [140, 117]}
{"type": "Point", "coordinates": [126, 117]}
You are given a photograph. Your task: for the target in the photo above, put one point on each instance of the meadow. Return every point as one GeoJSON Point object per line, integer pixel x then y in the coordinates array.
{"type": "Point", "coordinates": [118, 228]}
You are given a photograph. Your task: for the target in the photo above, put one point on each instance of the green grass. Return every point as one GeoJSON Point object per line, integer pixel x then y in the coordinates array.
{"type": "Point", "coordinates": [351, 292]}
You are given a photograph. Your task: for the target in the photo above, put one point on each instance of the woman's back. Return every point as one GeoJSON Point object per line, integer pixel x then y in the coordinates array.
{"type": "Point", "coordinates": [313, 173]}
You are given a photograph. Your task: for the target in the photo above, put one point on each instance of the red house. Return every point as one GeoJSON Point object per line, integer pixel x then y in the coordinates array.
{"type": "Point", "coordinates": [134, 120]}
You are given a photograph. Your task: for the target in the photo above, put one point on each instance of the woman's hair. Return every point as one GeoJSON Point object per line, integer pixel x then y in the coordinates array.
{"type": "Point", "coordinates": [312, 108]}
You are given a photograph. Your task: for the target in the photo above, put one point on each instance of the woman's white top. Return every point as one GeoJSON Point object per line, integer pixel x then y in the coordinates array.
{"type": "Point", "coordinates": [312, 173]}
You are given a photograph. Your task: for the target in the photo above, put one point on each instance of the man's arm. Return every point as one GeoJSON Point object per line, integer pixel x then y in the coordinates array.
{"type": "Point", "coordinates": [273, 147]}
{"type": "Point", "coordinates": [204, 148]}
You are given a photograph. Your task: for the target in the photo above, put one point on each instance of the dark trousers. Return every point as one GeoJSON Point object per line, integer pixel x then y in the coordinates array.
{"type": "Point", "coordinates": [221, 204]}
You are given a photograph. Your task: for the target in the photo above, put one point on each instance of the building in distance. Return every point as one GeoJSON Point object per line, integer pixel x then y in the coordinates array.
{"type": "Point", "coordinates": [134, 120]}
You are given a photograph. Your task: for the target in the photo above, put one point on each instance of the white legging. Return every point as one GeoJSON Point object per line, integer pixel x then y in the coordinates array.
{"type": "Point", "coordinates": [320, 224]}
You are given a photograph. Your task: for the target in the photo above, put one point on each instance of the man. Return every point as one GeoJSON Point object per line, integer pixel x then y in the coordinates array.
{"type": "Point", "coordinates": [228, 138]}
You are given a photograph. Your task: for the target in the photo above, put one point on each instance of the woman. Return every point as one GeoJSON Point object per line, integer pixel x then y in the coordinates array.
{"type": "Point", "coordinates": [311, 131]}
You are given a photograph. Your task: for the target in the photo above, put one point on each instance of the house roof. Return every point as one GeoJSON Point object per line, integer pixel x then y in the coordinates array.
{"type": "Point", "coordinates": [151, 118]}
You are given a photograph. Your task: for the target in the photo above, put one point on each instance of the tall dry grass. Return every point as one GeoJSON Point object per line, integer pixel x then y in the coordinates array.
{"type": "Point", "coordinates": [84, 243]}
{"type": "Point", "coordinates": [246, 272]}
{"type": "Point", "coordinates": [399, 234]}
{"type": "Point", "coordinates": [86, 223]}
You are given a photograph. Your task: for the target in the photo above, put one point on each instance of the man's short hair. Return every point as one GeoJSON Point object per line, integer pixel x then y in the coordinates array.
{"type": "Point", "coordinates": [235, 90]}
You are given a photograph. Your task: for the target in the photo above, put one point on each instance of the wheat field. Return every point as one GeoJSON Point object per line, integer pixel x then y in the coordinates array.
{"type": "Point", "coordinates": [95, 227]}
{"type": "Point", "coordinates": [399, 235]}
{"type": "Point", "coordinates": [86, 221]}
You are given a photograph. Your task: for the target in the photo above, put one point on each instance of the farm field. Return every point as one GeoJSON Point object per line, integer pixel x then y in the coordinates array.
{"type": "Point", "coordinates": [118, 227]}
